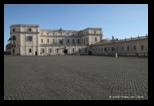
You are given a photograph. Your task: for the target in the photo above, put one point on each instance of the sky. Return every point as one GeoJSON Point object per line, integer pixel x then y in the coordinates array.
{"type": "Point", "coordinates": [118, 20]}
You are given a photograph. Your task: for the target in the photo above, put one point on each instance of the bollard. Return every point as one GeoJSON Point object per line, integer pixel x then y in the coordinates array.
{"type": "Point", "coordinates": [116, 55]}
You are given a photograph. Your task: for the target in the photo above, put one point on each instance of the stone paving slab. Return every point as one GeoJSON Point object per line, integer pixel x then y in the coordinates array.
{"type": "Point", "coordinates": [75, 78]}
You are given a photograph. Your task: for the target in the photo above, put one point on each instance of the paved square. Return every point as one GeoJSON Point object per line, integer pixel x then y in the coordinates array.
{"type": "Point", "coordinates": [75, 78]}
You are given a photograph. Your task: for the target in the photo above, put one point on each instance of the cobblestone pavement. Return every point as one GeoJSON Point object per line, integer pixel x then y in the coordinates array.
{"type": "Point", "coordinates": [75, 78]}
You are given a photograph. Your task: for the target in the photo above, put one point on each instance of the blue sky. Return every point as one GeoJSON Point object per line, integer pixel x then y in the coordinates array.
{"type": "Point", "coordinates": [119, 20]}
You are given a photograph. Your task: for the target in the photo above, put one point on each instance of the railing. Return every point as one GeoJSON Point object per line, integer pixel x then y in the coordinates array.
{"type": "Point", "coordinates": [44, 45]}
{"type": "Point", "coordinates": [122, 40]}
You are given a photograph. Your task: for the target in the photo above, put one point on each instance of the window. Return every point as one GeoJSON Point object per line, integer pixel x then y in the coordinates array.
{"type": "Point", "coordinates": [47, 33]}
{"type": "Point", "coordinates": [29, 29]}
{"type": "Point", "coordinates": [112, 48]}
{"type": "Point", "coordinates": [122, 48]}
{"type": "Point", "coordinates": [47, 40]}
{"type": "Point", "coordinates": [78, 41]}
{"type": "Point", "coordinates": [53, 40]}
{"type": "Point", "coordinates": [30, 50]}
{"type": "Point", "coordinates": [13, 37]}
{"type": "Point", "coordinates": [61, 42]}
{"type": "Point", "coordinates": [73, 50]}
{"type": "Point", "coordinates": [104, 49]}
{"type": "Point", "coordinates": [73, 41]}
{"type": "Point", "coordinates": [95, 39]}
{"type": "Point", "coordinates": [29, 38]}
{"type": "Point", "coordinates": [142, 47]}
{"type": "Point", "coordinates": [128, 48]}
{"type": "Point", "coordinates": [134, 47]}
{"type": "Point", "coordinates": [84, 41]}
{"type": "Point", "coordinates": [50, 50]}
{"type": "Point", "coordinates": [42, 50]}
{"type": "Point", "coordinates": [95, 32]}
{"type": "Point", "coordinates": [57, 50]}
{"type": "Point", "coordinates": [67, 40]}
{"type": "Point", "coordinates": [41, 40]}
{"type": "Point", "coordinates": [13, 30]}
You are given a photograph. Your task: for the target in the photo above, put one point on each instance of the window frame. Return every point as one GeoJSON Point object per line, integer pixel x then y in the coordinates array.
{"type": "Point", "coordinates": [95, 39]}
{"type": "Point", "coordinates": [13, 37]}
{"type": "Point", "coordinates": [29, 38]}
{"type": "Point", "coordinates": [142, 47]}
{"type": "Point", "coordinates": [134, 47]}
{"type": "Point", "coordinates": [127, 48]}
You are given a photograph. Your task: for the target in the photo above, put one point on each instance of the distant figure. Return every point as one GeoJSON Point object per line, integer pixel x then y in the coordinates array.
{"type": "Point", "coordinates": [116, 55]}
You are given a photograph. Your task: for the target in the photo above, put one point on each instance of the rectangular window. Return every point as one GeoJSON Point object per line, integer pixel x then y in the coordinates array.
{"type": "Point", "coordinates": [142, 47]}
{"type": "Point", "coordinates": [102, 49]}
{"type": "Point", "coordinates": [29, 38]}
{"type": "Point", "coordinates": [117, 48]}
{"type": "Point", "coordinates": [78, 41]}
{"type": "Point", "coordinates": [53, 40]}
{"type": "Point", "coordinates": [13, 37]}
{"type": "Point", "coordinates": [29, 29]}
{"type": "Point", "coordinates": [57, 50]}
{"type": "Point", "coordinates": [13, 30]}
{"type": "Point", "coordinates": [73, 41]}
{"type": "Point", "coordinates": [47, 40]}
{"type": "Point", "coordinates": [41, 40]}
{"type": "Point", "coordinates": [134, 47]}
{"type": "Point", "coordinates": [108, 49]}
{"type": "Point", "coordinates": [42, 50]}
{"type": "Point", "coordinates": [30, 50]}
{"type": "Point", "coordinates": [128, 48]}
{"type": "Point", "coordinates": [122, 48]}
{"type": "Point", "coordinates": [50, 50]}
{"type": "Point", "coordinates": [113, 49]}
{"type": "Point", "coordinates": [95, 39]}
{"type": "Point", "coordinates": [67, 40]}
{"type": "Point", "coordinates": [73, 50]}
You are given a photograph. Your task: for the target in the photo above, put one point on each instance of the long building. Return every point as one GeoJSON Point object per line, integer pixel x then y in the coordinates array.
{"type": "Point", "coordinates": [31, 40]}
{"type": "Point", "coordinates": [137, 46]}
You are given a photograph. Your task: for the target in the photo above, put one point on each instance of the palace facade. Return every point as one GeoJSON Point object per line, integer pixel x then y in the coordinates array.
{"type": "Point", "coordinates": [28, 39]}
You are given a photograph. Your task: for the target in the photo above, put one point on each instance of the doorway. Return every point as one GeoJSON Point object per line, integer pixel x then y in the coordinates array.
{"type": "Point", "coordinates": [36, 53]}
